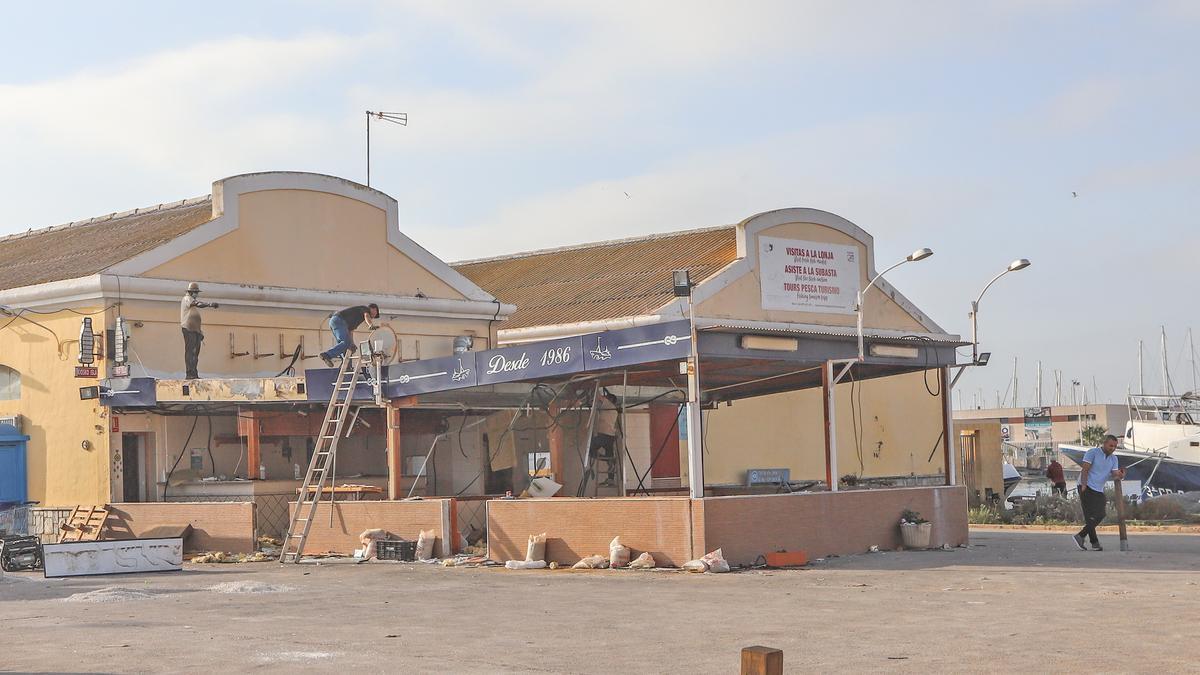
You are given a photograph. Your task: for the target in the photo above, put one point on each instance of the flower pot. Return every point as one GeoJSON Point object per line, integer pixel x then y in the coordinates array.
{"type": "Point", "coordinates": [916, 535]}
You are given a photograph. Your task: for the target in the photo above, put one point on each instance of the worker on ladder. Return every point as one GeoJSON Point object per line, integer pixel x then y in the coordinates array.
{"type": "Point", "coordinates": [604, 438]}
{"type": "Point", "coordinates": [343, 325]}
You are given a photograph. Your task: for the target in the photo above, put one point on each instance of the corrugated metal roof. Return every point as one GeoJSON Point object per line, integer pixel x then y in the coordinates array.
{"type": "Point", "coordinates": [605, 280]}
{"type": "Point", "coordinates": [87, 247]}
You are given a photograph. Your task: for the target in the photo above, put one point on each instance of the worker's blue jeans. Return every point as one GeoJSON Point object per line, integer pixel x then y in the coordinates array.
{"type": "Point", "coordinates": [342, 334]}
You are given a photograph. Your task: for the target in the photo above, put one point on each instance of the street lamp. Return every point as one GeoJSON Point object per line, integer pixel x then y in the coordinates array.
{"type": "Point", "coordinates": [919, 254]}
{"type": "Point", "coordinates": [1018, 264]}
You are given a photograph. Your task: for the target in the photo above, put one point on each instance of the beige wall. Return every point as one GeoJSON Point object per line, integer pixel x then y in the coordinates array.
{"type": "Point", "coordinates": [900, 425]}
{"type": "Point", "coordinates": [60, 471]}
{"type": "Point", "coordinates": [307, 239]}
{"type": "Point", "coordinates": [743, 298]}
{"type": "Point", "coordinates": [828, 523]}
{"type": "Point", "coordinates": [157, 343]}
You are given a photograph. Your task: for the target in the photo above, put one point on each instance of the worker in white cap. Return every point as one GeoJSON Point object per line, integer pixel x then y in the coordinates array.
{"type": "Point", "coordinates": [189, 321]}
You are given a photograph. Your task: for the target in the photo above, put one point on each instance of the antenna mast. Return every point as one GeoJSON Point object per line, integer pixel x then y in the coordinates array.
{"type": "Point", "coordinates": [393, 117]}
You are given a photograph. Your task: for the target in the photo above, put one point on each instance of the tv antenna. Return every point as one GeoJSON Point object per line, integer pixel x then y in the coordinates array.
{"type": "Point", "coordinates": [393, 117]}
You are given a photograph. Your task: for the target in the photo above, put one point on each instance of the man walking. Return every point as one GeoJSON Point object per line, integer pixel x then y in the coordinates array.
{"type": "Point", "coordinates": [1099, 464]}
{"type": "Point", "coordinates": [343, 325]}
{"type": "Point", "coordinates": [1054, 473]}
{"type": "Point", "coordinates": [189, 321]}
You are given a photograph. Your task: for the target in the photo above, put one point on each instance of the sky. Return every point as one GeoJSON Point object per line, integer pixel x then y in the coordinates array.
{"type": "Point", "coordinates": [1064, 132]}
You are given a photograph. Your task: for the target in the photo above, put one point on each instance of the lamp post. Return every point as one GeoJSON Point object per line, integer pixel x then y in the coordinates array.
{"type": "Point", "coordinates": [919, 254]}
{"type": "Point", "coordinates": [1018, 264]}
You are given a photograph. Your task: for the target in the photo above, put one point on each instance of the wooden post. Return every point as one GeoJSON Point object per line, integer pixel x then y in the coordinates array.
{"type": "Point", "coordinates": [759, 660]}
{"type": "Point", "coordinates": [395, 454]}
{"type": "Point", "coordinates": [556, 440]}
{"type": "Point", "coordinates": [253, 444]}
{"type": "Point", "coordinates": [1121, 514]}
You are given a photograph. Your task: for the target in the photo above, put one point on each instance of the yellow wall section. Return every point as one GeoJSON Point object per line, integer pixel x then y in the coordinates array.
{"type": "Point", "coordinates": [900, 422]}
{"type": "Point", "coordinates": [306, 239]}
{"type": "Point", "coordinates": [60, 471]}
{"type": "Point", "coordinates": [743, 298]}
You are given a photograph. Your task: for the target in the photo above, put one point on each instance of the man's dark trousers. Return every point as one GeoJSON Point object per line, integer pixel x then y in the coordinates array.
{"type": "Point", "coordinates": [1094, 506]}
{"type": "Point", "coordinates": [191, 352]}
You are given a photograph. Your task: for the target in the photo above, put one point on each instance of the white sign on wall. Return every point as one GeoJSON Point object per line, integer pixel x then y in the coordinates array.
{"type": "Point", "coordinates": [808, 276]}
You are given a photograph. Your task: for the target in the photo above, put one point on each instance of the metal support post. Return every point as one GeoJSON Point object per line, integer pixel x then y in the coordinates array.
{"type": "Point", "coordinates": [695, 419]}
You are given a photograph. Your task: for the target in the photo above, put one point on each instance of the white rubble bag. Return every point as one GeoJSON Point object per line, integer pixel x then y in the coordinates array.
{"type": "Point", "coordinates": [644, 561]}
{"type": "Point", "coordinates": [618, 555]}
{"type": "Point", "coordinates": [368, 539]}
{"type": "Point", "coordinates": [713, 561]}
{"type": "Point", "coordinates": [592, 562]}
{"type": "Point", "coordinates": [525, 564]}
{"type": "Point", "coordinates": [535, 549]}
{"type": "Point", "coordinates": [425, 542]}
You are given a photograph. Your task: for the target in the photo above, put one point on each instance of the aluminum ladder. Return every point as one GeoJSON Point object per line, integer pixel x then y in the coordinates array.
{"type": "Point", "coordinates": [324, 457]}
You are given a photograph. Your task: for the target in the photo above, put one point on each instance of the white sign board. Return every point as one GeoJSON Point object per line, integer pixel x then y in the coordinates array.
{"type": "Point", "coordinates": [808, 276]}
{"type": "Point", "coordinates": [79, 558]}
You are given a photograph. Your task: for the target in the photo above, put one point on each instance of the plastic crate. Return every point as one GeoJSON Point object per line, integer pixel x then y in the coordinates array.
{"type": "Point", "coordinates": [396, 549]}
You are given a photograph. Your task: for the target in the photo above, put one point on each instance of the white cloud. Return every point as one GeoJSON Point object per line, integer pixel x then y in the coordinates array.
{"type": "Point", "coordinates": [824, 167]}
{"type": "Point", "coordinates": [172, 109]}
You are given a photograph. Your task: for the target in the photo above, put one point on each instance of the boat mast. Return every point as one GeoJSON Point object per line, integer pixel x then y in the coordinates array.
{"type": "Point", "coordinates": [1057, 387]}
{"type": "Point", "coordinates": [1015, 399]}
{"type": "Point", "coordinates": [1192, 352]}
{"type": "Point", "coordinates": [1039, 385]}
{"type": "Point", "coordinates": [1141, 375]}
{"type": "Point", "coordinates": [1166, 374]}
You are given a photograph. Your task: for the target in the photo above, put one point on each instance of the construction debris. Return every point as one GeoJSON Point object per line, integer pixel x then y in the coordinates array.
{"type": "Point", "coordinates": [713, 561]}
{"type": "Point", "coordinates": [222, 557]}
{"type": "Point", "coordinates": [618, 555]}
{"type": "Point", "coordinates": [425, 542]}
{"type": "Point", "coordinates": [592, 562]}
{"type": "Point", "coordinates": [368, 539]}
{"type": "Point", "coordinates": [645, 561]}
{"type": "Point", "coordinates": [536, 547]}
{"type": "Point", "coordinates": [525, 564]}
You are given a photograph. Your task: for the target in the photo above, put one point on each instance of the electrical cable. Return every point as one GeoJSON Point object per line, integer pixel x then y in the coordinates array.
{"type": "Point", "coordinates": [195, 420]}
{"type": "Point", "coordinates": [212, 460]}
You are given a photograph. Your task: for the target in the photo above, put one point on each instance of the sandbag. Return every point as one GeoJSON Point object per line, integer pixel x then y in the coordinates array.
{"type": "Point", "coordinates": [592, 562]}
{"type": "Point", "coordinates": [618, 555]}
{"type": "Point", "coordinates": [644, 561]}
{"type": "Point", "coordinates": [425, 542]}
{"type": "Point", "coordinates": [536, 548]}
{"type": "Point", "coordinates": [525, 564]}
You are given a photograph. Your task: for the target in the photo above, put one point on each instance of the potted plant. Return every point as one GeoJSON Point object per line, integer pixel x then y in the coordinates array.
{"type": "Point", "coordinates": [915, 531]}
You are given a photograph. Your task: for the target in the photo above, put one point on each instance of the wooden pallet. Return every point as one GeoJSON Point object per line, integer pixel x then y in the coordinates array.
{"type": "Point", "coordinates": [85, 524]}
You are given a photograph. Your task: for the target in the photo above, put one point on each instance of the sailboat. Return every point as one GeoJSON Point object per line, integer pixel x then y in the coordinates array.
{"type": "Point", "coordinates": [1161, 448]}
